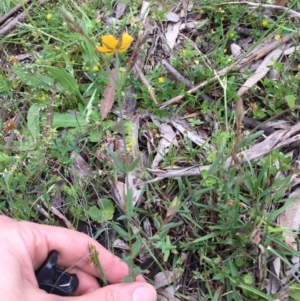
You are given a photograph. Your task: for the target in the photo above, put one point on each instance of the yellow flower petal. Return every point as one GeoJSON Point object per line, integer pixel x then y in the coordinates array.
{"type": "Point", "coordinates": [124, 42]}
{"type": "Point", "coordinates": [104, 50]}
{"type": "Point", "coordinates": [111, 45]}
{"type": "Point", "coordinates": [109, 41]}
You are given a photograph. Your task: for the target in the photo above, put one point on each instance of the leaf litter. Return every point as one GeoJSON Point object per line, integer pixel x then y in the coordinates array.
{"type": "Point", "coordinates": [164, 41]}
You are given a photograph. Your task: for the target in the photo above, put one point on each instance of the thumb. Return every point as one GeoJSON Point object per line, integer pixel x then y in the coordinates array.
{"type": "Point", "coordinates": [134, 291]}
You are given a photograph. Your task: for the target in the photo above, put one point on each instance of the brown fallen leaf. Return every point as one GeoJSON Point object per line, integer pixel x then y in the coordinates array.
{"type": "Point", "coordinates": [108, 94]}
{"type": "Point", "coordinates": [281, 2]}
{"type": "Point", "coordinates": [164, 295]}
{"type": "Point", "coordinates": [163, 279]}
{"type": "Point", "coordinates": [290, 219]}
{"type": "Point", "coordinates": [81, 169]}
{"type": "Point", "coordinates": [261, 71]}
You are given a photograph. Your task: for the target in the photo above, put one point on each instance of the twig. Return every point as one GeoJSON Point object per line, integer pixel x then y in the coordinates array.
{"type": "Point", "coordinates": [249, 122]}
{"type": "Point", "coordinates": [22, 16]}
{"type": "Point", "coordinates": [12, 11]}
{"type": "Point", "coordinates": [251, 56]}
{"type": "Point", "coordinates": [289, 11]}
{"type": "Point", "coordinates": [49, 122]}
{"type": "Point", "coordinates": [146, 83]}
{"type": "Point", "coordinates": [176, 74]}
{"type": "Point", "coordinates": [58, 214]}
{"type": "Point", "coordinates": [180, 78]}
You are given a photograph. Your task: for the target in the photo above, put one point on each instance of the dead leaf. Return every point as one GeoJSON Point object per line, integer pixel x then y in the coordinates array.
{"type": "Point", "coordinates": [136, 184]}
{"type": "Point", "coordinates": [120, 9]}
{"type": "Point", "coordinates": [144, 11]}
{"type": "Point", "coordinates": [290, 218]}
{"type": "Point", "coordinates": [179, 172]}
{"type": "Point", "coordinates": [118, 193]}
{"type": "Point", "coordinates": [236, 51]}
{"type": "Point", "coordinates": [261, 71]}
{"type": "Point", "coordinates": [183, 127]}
{"type": "Point", "coordinates": [168, 137]}
{"type": "Point", "coordinates": [172, 33]}
{"type": "Point", "coordinates": [274, 141]}
{"type": "Point", "coordinates": [255, 236]}
{"type": "Point", "coordinates": [281, 2]}
{"type": "Point", "coordinates": [108, 94]}
{"type": "Point", "coordinates": [147, 227]}
{"type": "Point", "coordinates": [81, 169]}
{"type": "Point", "coordinates": [59, 215]}
{"type": "Point", "coordinates": [120, 244]}
{"type": "Point", "coordinates": [172, 17]}
{"type": "Point", "coordinates": [164, 295]}
{"type": "Point", "coordinates": [275, 268]}
{"type": "Point", "coordinates": [163, 279]}
{"type": "Point", "coordinates": [291, 50]}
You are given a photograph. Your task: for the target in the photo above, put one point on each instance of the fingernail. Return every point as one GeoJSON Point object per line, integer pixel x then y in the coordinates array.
{"type": "Point", "coordinates": [144, 293]}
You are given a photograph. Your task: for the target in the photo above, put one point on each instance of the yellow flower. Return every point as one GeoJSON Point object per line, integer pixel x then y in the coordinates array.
{"type": "Point", "coordinates": [277, 37]}
{"type": "Point", "coordinates": [161, 80]}
{"type": "Point", "coordinates": [196, 62]}
{"type": "Point", "coordinates": [95, 68]}
{"type": "Point", "coordinates": [265, 23]}
{"type": "Point", "coordinates": [111, 45]}
{"type": "Point", "coordinates": [49, 16]}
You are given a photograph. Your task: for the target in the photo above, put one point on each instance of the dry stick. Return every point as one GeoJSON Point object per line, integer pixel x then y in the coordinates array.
{"type": "Point", "coordinates": [12, 11]}
{"type": "Point", "coordinates": [252, 56]}
{"type": "Point", "coordinates": [146, 83]}
{"type": "Point", "coordinates": [239, 119]}
{"type": "Point", "coordinates": [58, 214]}
{"type": "Point", "coordinates": [176, 74]}
{"type": "Point", "coordinates": [13, 23]}
{"type": "Point", "coordinates": [249, 122]}
{"type": "Point", "coordinates": [289, 11]}
{"type": "Point", "coordinates": [179, 77]}
{"type": "Point", "coordinates": [49, 122]}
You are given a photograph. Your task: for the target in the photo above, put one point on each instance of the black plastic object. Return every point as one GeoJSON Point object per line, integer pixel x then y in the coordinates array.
{"type": "Point", "coordinates": [54, 280]}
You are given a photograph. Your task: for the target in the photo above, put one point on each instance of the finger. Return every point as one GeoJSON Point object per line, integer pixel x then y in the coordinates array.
{"type": "Point", "coordinates": [135, 291]}
{"type": "Point", "coordinates": [87, 282]}
{"type": "Point", "coordinates": [72, 247]}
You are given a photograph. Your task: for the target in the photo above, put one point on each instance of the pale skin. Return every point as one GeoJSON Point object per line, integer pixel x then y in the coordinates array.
{"type": "Point", "coordinates": [24, 246]}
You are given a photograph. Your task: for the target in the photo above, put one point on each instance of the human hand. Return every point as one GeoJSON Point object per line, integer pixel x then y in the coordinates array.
{"type": "Point", "coordinates": [24, 246]}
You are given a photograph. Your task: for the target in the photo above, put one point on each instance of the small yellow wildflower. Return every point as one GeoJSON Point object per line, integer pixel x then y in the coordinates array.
{"type": "Point", "coordinates": [161, 80]}
{"type": "Point", "coordinates": [131, 19]}
{"type": "Point", "coordinates": [111, 45]}
{"type": "Point", "coordinates": [95, 68]}
{"type": "Point", "coordinates": [277, 37]}
{"type": "Point", "coordinates": [98, 21]}
{"type": "Point", "coordinates": [196, 62]}
{"type": "Point", "coordinates": [265, 23]}
{"type": "Point", "coordinates": [225, 50]}
{"type": "Point", "coordinates": [49, 16]}
{"type": "Point", "coordinates": [198, 39]}
{"type": "Point", "coordinates": [122, 69]}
